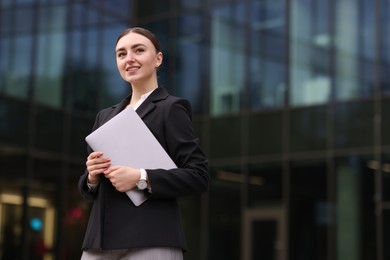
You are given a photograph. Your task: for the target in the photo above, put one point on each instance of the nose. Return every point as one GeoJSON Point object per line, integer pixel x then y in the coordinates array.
{"type": "Point", "coordinates": [130, 57]}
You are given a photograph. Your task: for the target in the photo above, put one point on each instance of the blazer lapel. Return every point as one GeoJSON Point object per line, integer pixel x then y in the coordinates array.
{"type": "Point", "coordinates": [150, 103]}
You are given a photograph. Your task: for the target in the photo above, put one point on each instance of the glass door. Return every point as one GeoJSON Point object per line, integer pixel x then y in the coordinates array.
{"type": "Point", "coordinates": [40, 234]}
{"type": "Point", "coordinates": [264, 234]}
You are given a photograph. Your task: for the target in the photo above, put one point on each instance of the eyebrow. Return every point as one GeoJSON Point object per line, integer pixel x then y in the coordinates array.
{"type": "Point", "coordinates": [132, 47]}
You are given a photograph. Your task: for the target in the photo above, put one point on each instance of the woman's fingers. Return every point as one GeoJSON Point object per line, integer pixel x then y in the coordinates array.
{"type": "Point", "coordinates": [96, 163]}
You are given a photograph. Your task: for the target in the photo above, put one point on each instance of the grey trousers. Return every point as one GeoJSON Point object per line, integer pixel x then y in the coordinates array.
{"type": "Point", "coordinates": [154, 253]}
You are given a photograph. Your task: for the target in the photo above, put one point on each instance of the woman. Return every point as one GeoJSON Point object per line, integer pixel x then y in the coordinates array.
{"type": "Point", "coordinates": [117, 229]}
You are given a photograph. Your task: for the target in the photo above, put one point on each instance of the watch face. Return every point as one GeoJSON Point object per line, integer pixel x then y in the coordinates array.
{"type": "Point", "coordinates": [142, 185]}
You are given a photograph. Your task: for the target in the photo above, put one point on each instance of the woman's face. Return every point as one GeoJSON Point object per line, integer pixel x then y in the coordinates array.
{"type": "Point", "coordinates": [137, 59]}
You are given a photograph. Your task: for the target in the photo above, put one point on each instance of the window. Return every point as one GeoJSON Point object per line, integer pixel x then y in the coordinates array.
{"type": "Point", "coordinates": [310, 41]}
{"type": "Point", "coordinates": [227, 59]}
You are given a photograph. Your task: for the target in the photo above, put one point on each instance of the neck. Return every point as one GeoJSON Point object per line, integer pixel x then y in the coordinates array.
{"type": "Point", "coordinates": [139, 89]}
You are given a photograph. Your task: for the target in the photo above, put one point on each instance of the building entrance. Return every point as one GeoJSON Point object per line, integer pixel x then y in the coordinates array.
{"type": "Point", "coordinates": [264, 234]}
{"type": "Point", "coordinates": [40, 234]}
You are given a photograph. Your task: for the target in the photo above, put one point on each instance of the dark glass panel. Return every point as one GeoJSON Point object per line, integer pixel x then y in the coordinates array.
{"type": "Point", "coordinates": [75, 215]}
{"type": "Point", "coordinates": [146, 8]}
{"type": "Point", "coordinates": [354, 208]}
{"type": "Point", "coordinates": [77, 15]}
{"type": "Point", "coordinates": [5, 45]}
{"type": "Point", "coordinates": [385, 170]}
{"type": "Point", "coordinates": [14, 165]}
{"type": "Point", "coordinates": [308, 129]}
{"type": "Point", "coordinates": [122, 7]}
{"type": "Point", "coordinates": [310, 42]}
{"type": "Point", "coordinates": [22, 2]}
{"type": "Point", "coordinates": [80, 128]}
{"type": "Point", "coordinates": [113, 87]}
{"type": "Point", "coordinates": [6, 19]}
{"type": "Point", "coordinates": [225, 213]}
{"type": "Point", "coordinates": [48, 184]}
{"type": "Point", "coordinates": [49, 69]}
{"type": "Point", "coordinates": [14, 122]}
{"type": "Point", "coordinates": [309, 210]}
{"type": "Point", "coordinates": [49, 127]}
{"type": "Point", "coordinates": [265, 133]}
{"type": "Point", "coordinates": [84, 91]}
{"type": "Point", "coordinates": [6, 3]}
{"type": "Point", "coordinates": [162, 31]}
{"type": "Point", "coordinates": [386, 233]}
{"type": "Point", "coordinates": [191, 212]}
{"type": "Point", "coordinates": [384, 44]}
{"type": "Point", "coordinates": [354, 49]}
{"type": "Point", "coordinates": [264, 246]}
{"type": "Point", "coordinates": [268, 27]}
{"type": "Point", "coordinates": [267, 82]}
{"type": "Point", "coordinates": [227, 56]}
{"type": "Point", "coordinates": [225, 137]}
{"type": "Point", "coordinates": [190, 3]}
{"type": "Point", "coordinates": [18, 79]}
{"type": "Point", "coordinates": [52, 17]}
{"type": "Point", "coordinates": [190, 68]}
{"type": "Point", "coordinates": [23, 21]}
{"type": "Point", "coordinates": [353, 125]}
{"type": "Point", "coordinates": [265, 184]}
{"type": "Point", "coordinates": [385, 122]}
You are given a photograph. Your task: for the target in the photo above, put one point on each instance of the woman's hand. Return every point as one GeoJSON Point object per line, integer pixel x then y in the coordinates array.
{"type": "Point", "coordinates": [123, 178]}
{"type": "Point", "coordinates": [96, 165]}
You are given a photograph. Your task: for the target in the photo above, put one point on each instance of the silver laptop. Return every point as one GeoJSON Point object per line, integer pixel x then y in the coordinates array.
{"type": "Point", "coordinates": [127, 141]}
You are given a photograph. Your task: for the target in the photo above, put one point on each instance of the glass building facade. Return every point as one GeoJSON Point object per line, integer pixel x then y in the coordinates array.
{"type": "Point", "coordinates": [290, 99]}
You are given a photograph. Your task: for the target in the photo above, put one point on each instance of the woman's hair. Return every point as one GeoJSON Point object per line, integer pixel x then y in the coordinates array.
{"type": "Point", "coordinates": [144, 32]}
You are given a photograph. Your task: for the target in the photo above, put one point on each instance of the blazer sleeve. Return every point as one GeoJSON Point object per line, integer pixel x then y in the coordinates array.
{"type": "Point", "coordinates": [86, 193]}
{"type": "Point", "coordinates": [192, 175]}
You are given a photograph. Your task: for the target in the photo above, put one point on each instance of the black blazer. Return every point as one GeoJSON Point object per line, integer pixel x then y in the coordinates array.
{"type": "Point", "coordinates": [115, 223]}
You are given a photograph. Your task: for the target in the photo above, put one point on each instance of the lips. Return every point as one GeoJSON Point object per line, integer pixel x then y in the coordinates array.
{"type": "Point", "coordinates": [133, 68]}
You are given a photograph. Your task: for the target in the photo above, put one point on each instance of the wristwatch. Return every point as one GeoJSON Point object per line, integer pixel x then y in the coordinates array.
{"type": "Point", "coordinates": [142, 184]}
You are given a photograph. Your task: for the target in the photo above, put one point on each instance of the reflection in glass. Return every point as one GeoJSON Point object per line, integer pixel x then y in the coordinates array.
{"type": "Point", "coordinates": [161, 29]}
{"type": "Point", "coordinates": [310, 42]}
{"type": "Point", "coordinates": [52, 18]}
{"type": "Point", "coordinates": [354, 208]}
{"type": "Point", "coordinates": [23, 21]}
{"type": "Point", "coordinates": [49, 68]}
{"type": "Point", "coordinates": [350, 50]}
{"type": "Point", "coordinates": [17, 83]}
{"type": "Point", "coordinates": [5, 45]}
{"type": "Point", "coordinates": [113, 87]}
{"type": "Point", "coordinates": [189, 3]}
{"type": "Point", "coordinates": [227, 59]}
{"type": "Point", "coordinates": [266, 75]}
{"type": "Point", "coordinates": [190, 67]}
{"type": "Point", "coordinates": [385, 46]}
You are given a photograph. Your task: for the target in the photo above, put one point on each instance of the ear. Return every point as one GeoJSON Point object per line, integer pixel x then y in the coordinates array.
{"type": "Point", "coordinates": [159, 59]}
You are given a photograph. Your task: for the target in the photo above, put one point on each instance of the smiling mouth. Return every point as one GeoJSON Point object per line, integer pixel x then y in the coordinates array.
{"type": "Point", "coordinates": [132, 69]}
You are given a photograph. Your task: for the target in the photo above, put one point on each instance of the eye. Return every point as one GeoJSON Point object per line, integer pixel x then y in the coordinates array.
{"type": "Point", "coordinates": [121, 54]}
{"type": "Point", "coordinates": [139, 50]}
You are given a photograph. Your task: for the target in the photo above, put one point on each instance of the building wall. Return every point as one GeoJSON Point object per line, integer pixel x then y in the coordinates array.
{"type": "Point", "coordinates": [290, 102]}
